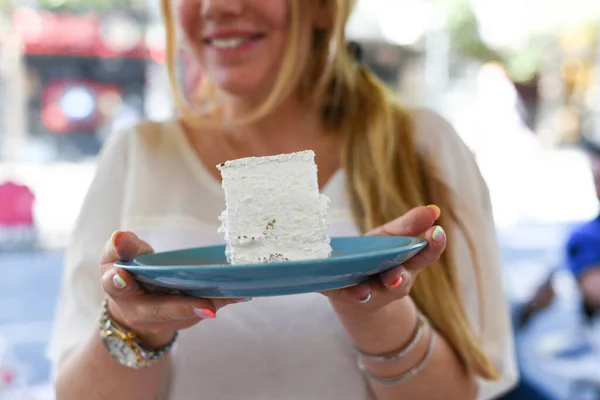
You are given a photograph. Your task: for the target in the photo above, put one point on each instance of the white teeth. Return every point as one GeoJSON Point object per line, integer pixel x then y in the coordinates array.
{"type": "Point", "coordinates": [227, 43]}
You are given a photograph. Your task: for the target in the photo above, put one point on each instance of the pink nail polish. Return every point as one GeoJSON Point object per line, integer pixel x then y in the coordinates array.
{"type": "Point", "coordinates": [438, 234]}
{"type": "Point", "coordinates": [397, 282]}
{"type": "Point", "coordinates": [204, 313]}
{"type": "Point", "coordinates": [119, 282]}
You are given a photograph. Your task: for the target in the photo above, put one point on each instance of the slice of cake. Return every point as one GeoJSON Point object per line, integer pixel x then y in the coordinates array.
{"type": "Point", "coordinates": [274, 211]}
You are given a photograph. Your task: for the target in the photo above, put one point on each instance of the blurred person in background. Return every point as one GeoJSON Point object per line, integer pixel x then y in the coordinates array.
{"type": "Point", "coordinates": [541, 300]}
{"type": "Point", "coordinates": [583, 260]}
{"type": "Point", "coordinates": [583, 246]}
{"type": "Point", "coordinates": [279, 78]}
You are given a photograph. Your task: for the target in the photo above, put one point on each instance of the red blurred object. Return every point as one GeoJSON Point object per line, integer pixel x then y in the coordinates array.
{"type": "Point", "coordinates": [82, 66]}
{"type": "Point", "coordinates": [53, 115]}
{"type": "Point", "coordinates": [45, 32]}
{"type": "Point", "coordinates": [16, 205]}
{"type": "Point", "coordinates": [8, 377]}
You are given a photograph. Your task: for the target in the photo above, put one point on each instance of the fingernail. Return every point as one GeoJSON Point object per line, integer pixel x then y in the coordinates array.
{"type": "Point", "coordinates": [243, 300]}
{"type": "Point", "coordinates": [115, 238]}
{"type": "Point", "coordinates": [437, 210]}
{"type": "Point", "coordinates": [397, 282]}
{"type": "Point", "coordinates": [119, 282]}
{"type": "Point", "coordinates": [204, 313]}
{"type": "Point", "coordinates": [438, 234]}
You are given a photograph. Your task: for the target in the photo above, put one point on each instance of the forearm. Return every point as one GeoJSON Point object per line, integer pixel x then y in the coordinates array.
{"type": "Point", "coordinates": [386, 330]}
{"type": "Point", "coordinates": [90, 373]}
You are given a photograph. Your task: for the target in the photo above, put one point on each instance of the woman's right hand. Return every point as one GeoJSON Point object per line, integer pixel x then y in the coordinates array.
{"type": "Point", "coordinates": [153, 317]}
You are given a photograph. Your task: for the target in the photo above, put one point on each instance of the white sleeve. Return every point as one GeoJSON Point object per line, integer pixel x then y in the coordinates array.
{"type": "Point", "coordinates": [79, 304]}
{"type": "Point", "coordinates": [487, 307]}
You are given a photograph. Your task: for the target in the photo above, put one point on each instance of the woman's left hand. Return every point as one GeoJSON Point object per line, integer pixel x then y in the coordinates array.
{"type": "Point", "coordinates": [397, 282]}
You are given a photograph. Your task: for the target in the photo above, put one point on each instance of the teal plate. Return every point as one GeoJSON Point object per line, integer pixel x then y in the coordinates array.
{"type": "Point", "coordinates": [204, 271]}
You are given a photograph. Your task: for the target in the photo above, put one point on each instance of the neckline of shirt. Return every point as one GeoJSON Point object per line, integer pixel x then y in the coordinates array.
{"type": "Point", "coordinates": [201, 172]}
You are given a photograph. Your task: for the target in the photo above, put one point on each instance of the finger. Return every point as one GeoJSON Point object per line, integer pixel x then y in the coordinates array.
{"type": "Point", "coordinates": [371, 293]}
{"type": "Point", "coordinates": [396, 282]}
{"type": "Point", "coordinates": [165, 309]}
{"type": "Point", "coordinates": [220, 303]}
{"type": "Point", "coordinates": [395, 278]}
{"type": "Point", "coordinates": [350, 294]}
{"type": "Point", "coordinates": [388, 286]}
{"type": "Point", "coordinates": [124, 246]}
{"type": "Point", "coordinates": [120, 284]}
{"type": "Point", "coordinates": [436, 244]}
{"type": "Point", "coordinates": [413, 223]}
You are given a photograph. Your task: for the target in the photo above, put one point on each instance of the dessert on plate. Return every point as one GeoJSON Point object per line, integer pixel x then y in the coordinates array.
{"type": "Point", "coordinates": [274, 210]}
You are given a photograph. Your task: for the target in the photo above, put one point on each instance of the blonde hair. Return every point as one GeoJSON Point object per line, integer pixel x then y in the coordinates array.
{"type": "Point", "coordinates": [386, 175]}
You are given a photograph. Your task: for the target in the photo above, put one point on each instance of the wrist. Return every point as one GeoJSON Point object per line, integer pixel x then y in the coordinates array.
{"type": "Point", "coordinates": [391, 341]}
{"type": "Point", "coordinates": [380, 330]}
{"type": "Point", "coordinates": [152, 340]}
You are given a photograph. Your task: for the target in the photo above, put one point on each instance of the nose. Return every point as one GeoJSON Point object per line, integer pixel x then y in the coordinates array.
{"type": "Point", "coordinates": [219, 9]}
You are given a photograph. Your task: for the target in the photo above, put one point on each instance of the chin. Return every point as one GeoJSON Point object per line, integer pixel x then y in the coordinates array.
{"type": "Point", "coordinates": [242, 81]}
{"type": "Point", "coordinates": [237, 87]}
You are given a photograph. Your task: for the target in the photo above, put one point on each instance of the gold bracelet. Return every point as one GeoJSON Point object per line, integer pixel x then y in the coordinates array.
{"type": "Point", "coordinates": [406, 376]}
{"type": "Point", "coordinates": [401, 353]}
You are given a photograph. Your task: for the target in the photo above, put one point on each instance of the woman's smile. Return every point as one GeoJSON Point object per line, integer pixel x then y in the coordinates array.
{"type": "Point", "coordinates": [231, 43]}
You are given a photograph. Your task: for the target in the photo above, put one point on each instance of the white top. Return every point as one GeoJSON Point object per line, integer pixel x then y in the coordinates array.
{"type": "Point", "coordinates": [150, 181]}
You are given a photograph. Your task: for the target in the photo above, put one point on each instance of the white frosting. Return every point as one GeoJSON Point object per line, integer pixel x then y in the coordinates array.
{"type": "Point", "coordinates": [274, 210]}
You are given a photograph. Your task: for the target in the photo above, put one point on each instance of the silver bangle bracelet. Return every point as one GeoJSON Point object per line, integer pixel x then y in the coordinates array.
{"type": "Point", "coordinates": [406, 376]}
{"type": "Point", "coordinates": [399, 354]}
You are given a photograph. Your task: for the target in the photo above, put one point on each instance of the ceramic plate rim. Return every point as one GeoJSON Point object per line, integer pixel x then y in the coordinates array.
{"type": "Point", "coordinates": [416, 243]}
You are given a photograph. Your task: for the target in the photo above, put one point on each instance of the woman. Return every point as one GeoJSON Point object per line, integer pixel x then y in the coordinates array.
{"type": "Point", "coordinates": [279, 79]}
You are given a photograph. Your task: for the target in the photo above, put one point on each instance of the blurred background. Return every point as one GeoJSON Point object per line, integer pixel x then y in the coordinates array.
{"type": "Point", "coordinates": [519, 79]}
